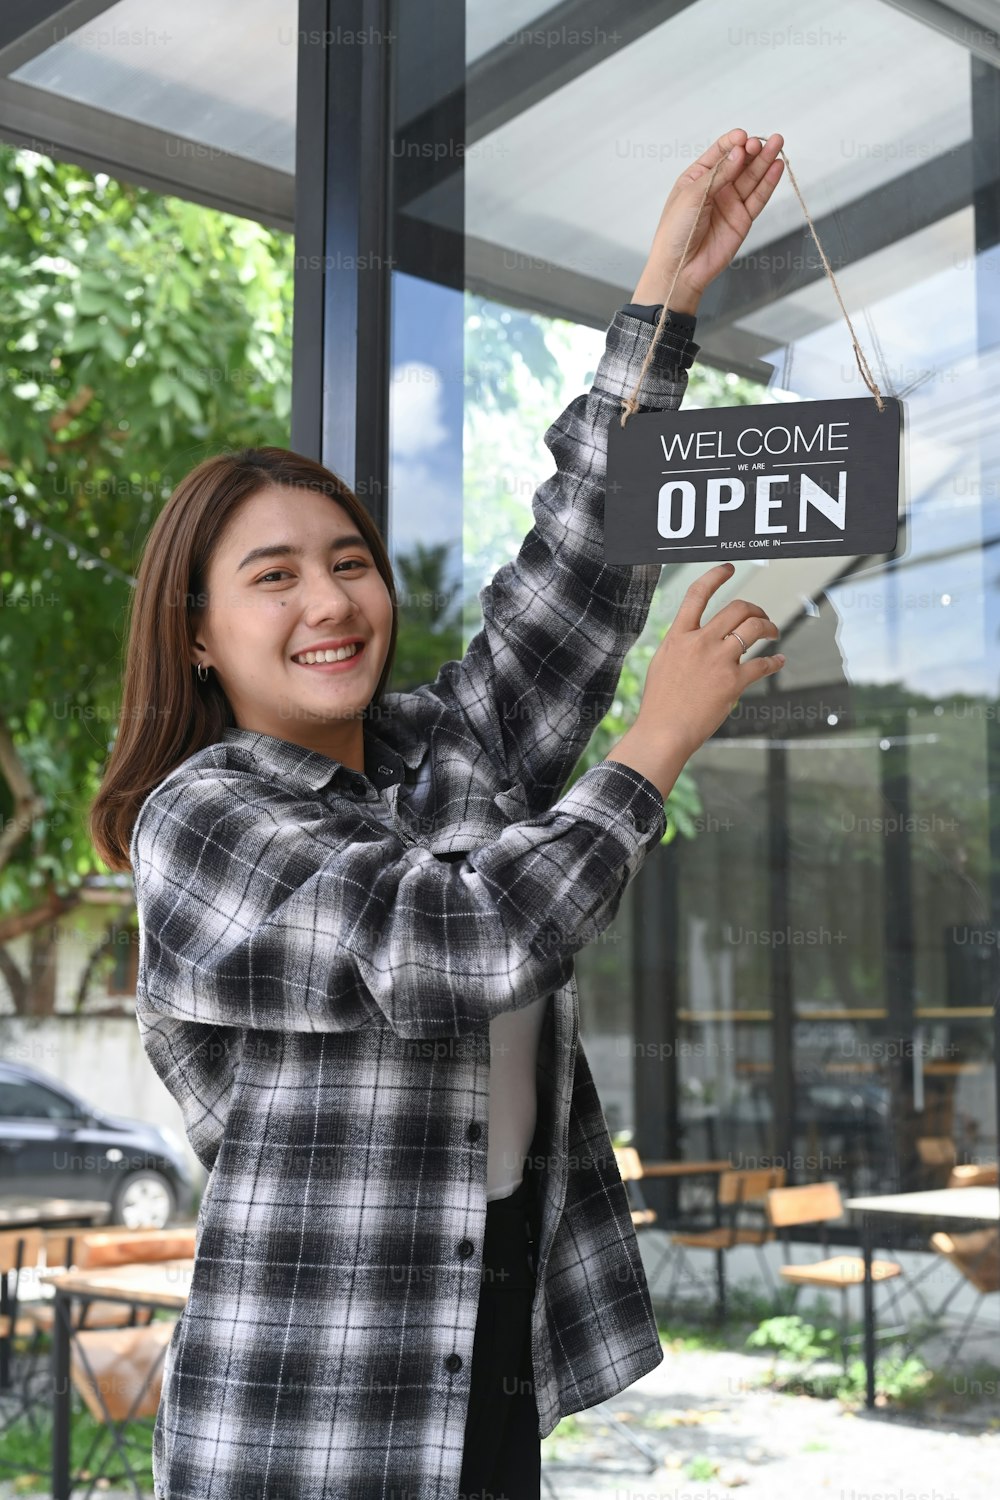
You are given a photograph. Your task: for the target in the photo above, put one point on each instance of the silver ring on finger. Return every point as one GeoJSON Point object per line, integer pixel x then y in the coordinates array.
{"type": "Point", "coordinates": [738, 637]}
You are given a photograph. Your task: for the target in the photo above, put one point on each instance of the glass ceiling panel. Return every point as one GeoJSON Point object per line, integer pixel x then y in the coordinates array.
{"type": "Point", "coordinates": [220, 74]}
{"type": "Point", "coordinates": [630, 124]}
{"type": "Point", "coordinates": [488, 23]}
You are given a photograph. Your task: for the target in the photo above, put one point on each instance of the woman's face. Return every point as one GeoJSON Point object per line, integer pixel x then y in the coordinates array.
{"type": "Point", "coordinates": [265, 606]}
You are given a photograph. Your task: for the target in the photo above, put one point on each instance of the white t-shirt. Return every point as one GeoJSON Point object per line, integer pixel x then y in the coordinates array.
{"type": "Point", "coordinates": [513, 1101]}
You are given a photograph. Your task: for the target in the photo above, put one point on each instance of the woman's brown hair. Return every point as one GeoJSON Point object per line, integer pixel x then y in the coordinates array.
{"type": "Point", "coordinates": [166, 713]}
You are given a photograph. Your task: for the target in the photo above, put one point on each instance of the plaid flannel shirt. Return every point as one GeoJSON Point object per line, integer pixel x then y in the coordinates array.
{"type": "Point", "coordinates": [321, 953]}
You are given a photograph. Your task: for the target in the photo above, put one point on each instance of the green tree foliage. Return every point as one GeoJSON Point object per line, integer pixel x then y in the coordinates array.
{"type": "Point", "coordinates": [138, 335]}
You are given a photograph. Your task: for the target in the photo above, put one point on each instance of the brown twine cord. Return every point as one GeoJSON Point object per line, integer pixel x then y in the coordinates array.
{"type": "Point", "coordinates": [631, 404]}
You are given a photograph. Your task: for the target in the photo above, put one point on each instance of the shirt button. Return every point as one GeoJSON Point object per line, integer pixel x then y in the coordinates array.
{"type": "Point", "coordinates": [453, 1362]}
{"type": "Point", "coordinates": [474, 1131]}
{"type": "Point", "coordinates": [466, 1248]}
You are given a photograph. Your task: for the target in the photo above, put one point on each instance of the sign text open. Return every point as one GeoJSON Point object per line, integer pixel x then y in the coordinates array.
{"type": "Point", "coordinates": [792, 479]}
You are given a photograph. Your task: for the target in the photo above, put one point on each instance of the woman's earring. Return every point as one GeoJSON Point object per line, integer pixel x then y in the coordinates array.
{"type": "Point", "coordinates": [202, 672]}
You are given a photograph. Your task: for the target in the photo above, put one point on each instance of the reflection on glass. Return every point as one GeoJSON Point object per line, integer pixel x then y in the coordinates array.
{"type": "Point", "coordinates": [828, 987]}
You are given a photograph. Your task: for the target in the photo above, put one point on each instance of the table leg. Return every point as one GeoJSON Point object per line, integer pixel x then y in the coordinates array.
{"type": "Point", "coordinates": [869, 1312]}
{"type": "Point", "coordinates": [61, 1396]}
{"type": "Point", "coordinates": [5, 1344]}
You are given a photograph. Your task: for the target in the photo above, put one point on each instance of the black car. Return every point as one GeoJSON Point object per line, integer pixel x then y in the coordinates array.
{"type": "Point", "coordinates": [53, 1144]}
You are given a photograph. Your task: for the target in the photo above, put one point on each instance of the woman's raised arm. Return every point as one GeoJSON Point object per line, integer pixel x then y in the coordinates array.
{"type": "Point", "coordinates": [558, 620]}
{"type": "Point", "coordinates": [261, 909]}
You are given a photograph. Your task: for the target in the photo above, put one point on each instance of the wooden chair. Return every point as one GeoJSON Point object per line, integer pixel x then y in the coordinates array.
{"type": "Point", "coordinates": [976, 1257]}
{"type": "Point", "coordinates": [20, 1257]}
{"type": "Point", "coordinates": [117, 1370]}
{"type": "Point", "coordinates": [137, 1338]}
{"type": "Point", "coordinates": [643, 1217]}
{"type": "Point", "coordinates": [741, 1196]}
{"type": "Point", "coordinates": [936, 1150]}
{"type": "Point", "coordinates": [937, 1155]}
{"type": "Point", "coordinates": [20, 1252]}
{"type": "Point", "coordinates": [631, 1171]}
{"type": "Point", "coordinates": [983, 1174]}
{"type": "Point", "coordinates": [819, 1203]}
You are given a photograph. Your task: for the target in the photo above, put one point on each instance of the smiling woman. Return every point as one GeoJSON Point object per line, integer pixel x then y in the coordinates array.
{"type": "Point", "coordinates": [306, 593]}
{"type": "Point", "coordinates": [415, 1253]}
{"type": "Point", "coordinates": [219, 616]}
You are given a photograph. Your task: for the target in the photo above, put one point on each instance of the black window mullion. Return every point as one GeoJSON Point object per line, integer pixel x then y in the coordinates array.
{"type": "Point", "coordinates": [341, 366]}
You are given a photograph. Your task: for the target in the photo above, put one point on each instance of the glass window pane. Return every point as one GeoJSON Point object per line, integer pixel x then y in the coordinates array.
{"type": "Point", "coordinates": [827, 985]}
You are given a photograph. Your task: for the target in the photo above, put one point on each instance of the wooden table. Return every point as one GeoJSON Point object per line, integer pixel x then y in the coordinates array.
{"type": "Point", "coordinates": [970, 1205]}
{"type": "Point", "coordinates": [22, 1211]}
{"type": "Point", "coordinates": [163, 1283]}
{"type": "Point", "coordinates": [676, 1171]}
{"type": "Point", "coordinates": [683, 1168]}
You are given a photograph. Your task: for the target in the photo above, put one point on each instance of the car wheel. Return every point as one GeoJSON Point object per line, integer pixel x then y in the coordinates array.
{"type": "Point", "coordinates": [143, 1200]}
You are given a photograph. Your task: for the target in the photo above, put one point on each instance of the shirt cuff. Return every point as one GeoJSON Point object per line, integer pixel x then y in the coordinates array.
{"type": "Point", "coordinates": [619, 799]}
{"type": "Point", "coordinates": [626, 345]}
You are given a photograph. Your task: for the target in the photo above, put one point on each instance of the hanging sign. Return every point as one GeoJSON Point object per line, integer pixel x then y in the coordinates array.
{"type": "Point", "coordinates": [788, 479]}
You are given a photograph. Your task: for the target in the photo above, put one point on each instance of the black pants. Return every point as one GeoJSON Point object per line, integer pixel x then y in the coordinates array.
{"type": "Point", "coordinates": [502, 1457]}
